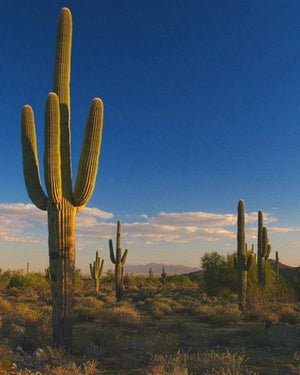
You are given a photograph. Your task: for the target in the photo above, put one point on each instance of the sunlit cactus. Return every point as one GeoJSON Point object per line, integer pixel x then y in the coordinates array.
{"type": "Point", "coordinates": [263, 250]}
{"type": "Point", "coordinates": [242, 261]}
{"type": "Point", "coordinates": [61, 202]}
{"type": "Point", "coordinates": [96, 269]}
{"type": "Point", "coordinates": [259, 247]}
{"type": "Point", "coordinates": [119, 261]}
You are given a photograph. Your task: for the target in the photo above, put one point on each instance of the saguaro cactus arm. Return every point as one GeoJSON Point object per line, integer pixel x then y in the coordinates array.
{"type": "Point", "coordinates": [88, 164]}
{"type": "Point", "coordinates": [30, 160]}
{"type": "Point", "coordinates": [52, 161]}
{"type": "Point", "coordinates": [123, 259]}
{"type": "Point", "coordinates": [250, 262]}
{"type": "Point", "coordinates": [111, 252]}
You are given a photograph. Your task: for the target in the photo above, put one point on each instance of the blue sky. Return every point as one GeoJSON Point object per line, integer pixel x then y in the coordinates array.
{"type": "Point", "coordinates": [202, 108]}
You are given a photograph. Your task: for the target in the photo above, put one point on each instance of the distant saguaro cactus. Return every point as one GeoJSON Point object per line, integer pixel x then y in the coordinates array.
{"type": "Point", "coordinates": [276, 266]}
{"type": "Point", "coordinates": [61, 202]}
{"type": "Point", "coordinates": [119, 262]}
{"type": "Point", "coordinates": [163, 276]}
{"type": "Point", "coordinates": [96, 269]}
{"type": "Point", "coordinates": [150, 275]}
{"type": "Point", "coordinates": [263, 256]}
{"type": "Point", "coordinates": [242, 261]}
{"type": "Point", "coordinates": [259, 247]}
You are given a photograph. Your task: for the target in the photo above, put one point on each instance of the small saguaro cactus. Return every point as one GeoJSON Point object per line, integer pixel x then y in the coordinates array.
{"type": "Point", "coordinates": [96, 269]}
{"type": "Point", "coordinates": [276, 266]}
{"type": "Point", "coordinates": [242, 261]}
{"type": "Point", "coordinates": [264, 255]}
{"type": "Point", "coordinates": [150, 275]}
{"type": "Point", "coordinates": [263, 250]}
{"type": "Point", "coordinates": [27, 268]}
{"type": "Point", "coordinates": [163, 276]}
{"type": "Point", "coordinates": [61, 202]}
{"type": "Point", "coordinates": [119, 262]}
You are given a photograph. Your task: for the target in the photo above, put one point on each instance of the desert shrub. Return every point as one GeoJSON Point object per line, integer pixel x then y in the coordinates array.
{"type": "Point", "coordinates": [288, 314]}
{"type": "Point", "coordinates": [28, 326]}
{"type": "Point", "coordinates": [107, 340]}
{"type": "Point", "coordinates": [23, 314]}
{"type": "Point", "coordinates": [79, 283]}
{"type": "Point", "coordinates": [213, 265]}
{"type": "Point", "coordinates": [261, 306]}
{"type": "Point", "coordinates": [88, 368]}
{"type": "Point", "coordinates": [124, 315]}
{"type": "Point", "coordinates": [5, 306]}
{"type": "Point", "coordinates": [214, 363]}
{"type": "Point", "coordinates": [294, 367]}
{"type": "Point", "coordinates": [220, 315]}
{"type": "Point", "coordinates": [210, 363]}
{"type": "Point", "coordinates": [33, 285]}
{"type": "Point", "coordinates": [6, 357]}
{"type": "Point", "coordinates": [180, 280]}
{"type": "Point", "coordinates": [142, 295]}
{"type": "Point", "coordinates": [168, 365]}
{"type": "Point", "coordinates": [164, 344]}
{"type": "Point", "coordinates": [88, 309]}
{"type": "Point", "coordinates": [259, 337]}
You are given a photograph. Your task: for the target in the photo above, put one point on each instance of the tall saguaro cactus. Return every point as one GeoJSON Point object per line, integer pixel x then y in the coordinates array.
{"type": "Point", "coordinates": [119, 262]}
{"type": "Point", "coordinates": [61, 202]}
{"type": "Point", "coordinates": [243, 262]}
{"type": "Point", "coordinates": [96, 270]}
{"type": "Point", "coordinates": [259, 247]}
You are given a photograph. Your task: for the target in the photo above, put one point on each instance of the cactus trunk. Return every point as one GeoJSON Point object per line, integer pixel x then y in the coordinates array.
{"type": "Point", "coordinates": [243, 261]}
{"type": "Point", "coordinates": [61, 227]}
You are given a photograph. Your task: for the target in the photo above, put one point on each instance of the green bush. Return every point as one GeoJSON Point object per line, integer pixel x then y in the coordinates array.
{"type": "Point", "coordinates": [6, 357]}
{"type": "Point", "coordinates": [33, 285]}
{"type": "Point", "coordinates": [123, 315]}
{"type": "Point", "coordinates": [219, 315]}
{"type": "Point", "coordinates": [288, 314]}
{"type": "Point", "coordinates": [88, 309]}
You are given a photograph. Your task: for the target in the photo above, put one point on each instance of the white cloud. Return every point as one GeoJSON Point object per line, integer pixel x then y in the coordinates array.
{"type": "Point", "coordinates": [23, 223]}
{"type": "Point", "coordinates": [95, 212]}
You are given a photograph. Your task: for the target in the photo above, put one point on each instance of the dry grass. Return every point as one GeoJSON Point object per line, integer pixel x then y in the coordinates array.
{"type": "Point", "coordinates": [209, 363]}
{"type": "Point", "coordinates": [88, 368]}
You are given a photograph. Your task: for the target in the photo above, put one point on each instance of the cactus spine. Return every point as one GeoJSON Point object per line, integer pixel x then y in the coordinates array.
{"type": "Point", "coordinates": [96, 269]}
{"type": "Point", "coordinates": [119, 262]}
{"type": "Point", "coordinates": [61, 202]}
{"type": "Point", "coordinates": [242, 260]}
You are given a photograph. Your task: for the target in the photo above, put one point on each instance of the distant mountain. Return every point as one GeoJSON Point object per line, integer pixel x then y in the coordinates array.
{"type": "Point", "coordinates": [285, 271]}
{"type": "Point", "coordinates": [143, 269]}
